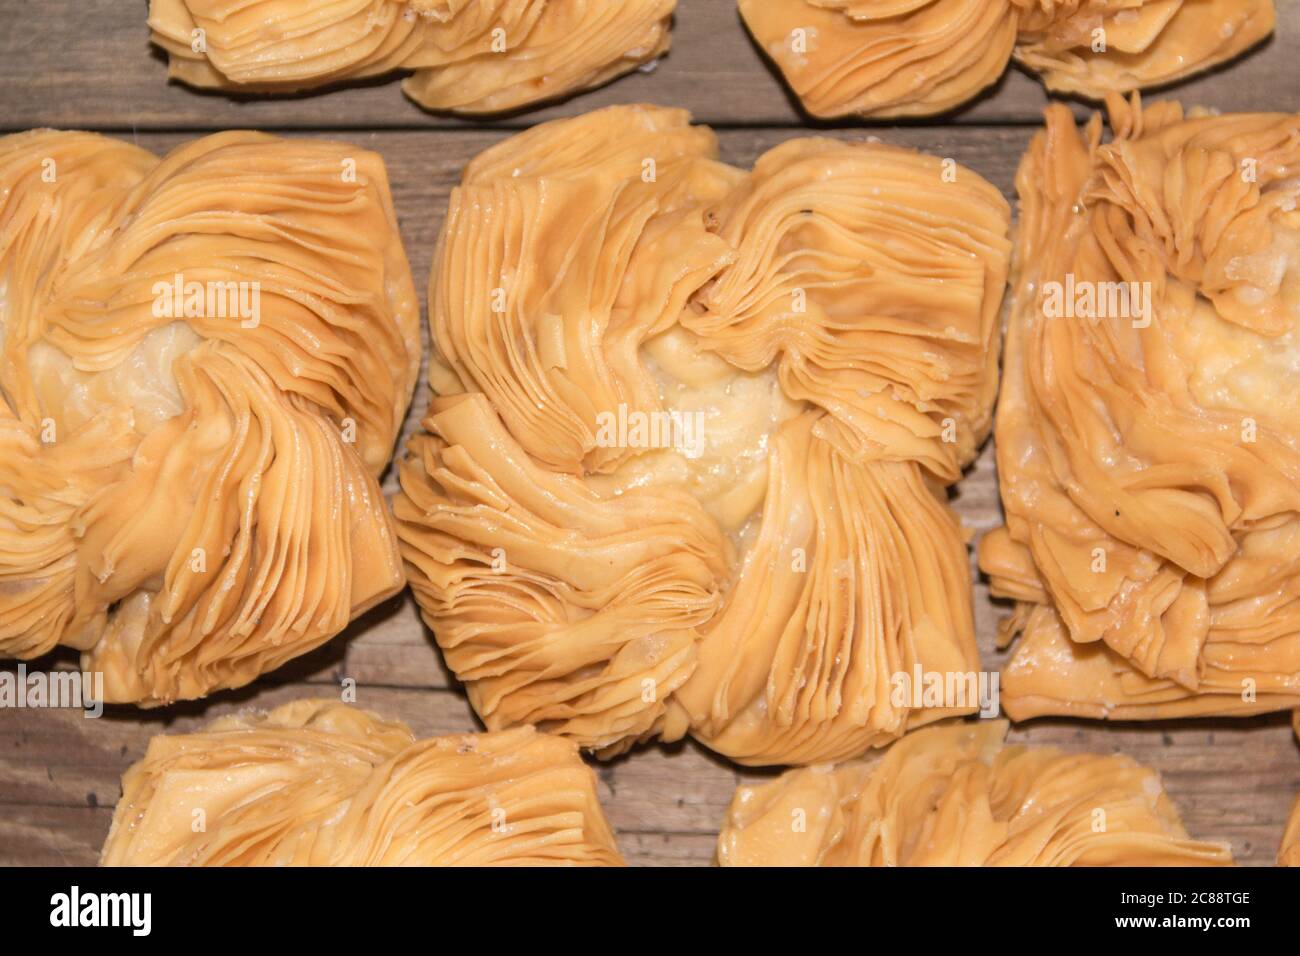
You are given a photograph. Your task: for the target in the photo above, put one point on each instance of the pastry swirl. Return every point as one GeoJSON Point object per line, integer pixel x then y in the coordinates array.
{"type": "Point", "coordinates": [319, 783]}
{"type": "Point", "coordinates": [825, 324]}
{"type": "Point", "coordinates": [1149, 442]}
{"type": "Point", "coordinates": [889, 58]}
{"type": "Point", "coordinates": [954, 795]}
{"type": "Point", "coordinates": [464, 56]}
{"type": "Point", "coordinates": [205, 361]}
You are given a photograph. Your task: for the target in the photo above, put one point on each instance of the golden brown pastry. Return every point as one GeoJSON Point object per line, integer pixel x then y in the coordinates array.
{"type": "Point", "coordinates": [204, 363]}
{"type": "Point", "coordinates": [319, 783]}
{"type": "Point", "coordinates": [1148, 429]}
{"type": "Point", "coordinates": [882, 58]}
{"type": "Point", "coordinates": [684, 470]}
{"type": "Point", "coordinates": [468, 56]}
{"type": "Point", "coordinates": [953, 795]}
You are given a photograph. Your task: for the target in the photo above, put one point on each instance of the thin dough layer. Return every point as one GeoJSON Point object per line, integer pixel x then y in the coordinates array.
{"type": "Point", "coordinates": [205, 360]}
{"type": "Point", "coordinates": [954, 795]}
{"type": "Point", "coordinates": [467, 56]}
{"type": "Point", "coordinates": [319, 783]}
{"type": "Point", "coordinates": [887, 58]}
{"type": "Point", "coordinates": [819, 338]}
{"type": "Point", "coordinates": [1149, 442]}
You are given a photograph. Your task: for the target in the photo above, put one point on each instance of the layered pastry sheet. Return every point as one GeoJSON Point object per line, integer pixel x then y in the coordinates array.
{"type": "Point", "coordinates": [684, 469]}
{"type": "Point", "coordinates": [955, 795]}
{"type": "Point", "coordinates": [1148, 435]}
{"type": "Point", "coordinates": [321, 783]}
{"type": "Point", "coordinates": [464, 56]}
{"type": "Point", "coordinates": [205, 361]}
{"type": "Point", "coordinates": [889, 58]}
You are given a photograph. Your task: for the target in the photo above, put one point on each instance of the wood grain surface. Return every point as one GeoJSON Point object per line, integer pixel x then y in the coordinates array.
{"type": "Point", "coordinates": [88, 64]}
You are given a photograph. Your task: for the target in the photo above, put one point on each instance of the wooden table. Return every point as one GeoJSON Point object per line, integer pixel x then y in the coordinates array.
{"type": "Point", "coordinates": [88, 64]}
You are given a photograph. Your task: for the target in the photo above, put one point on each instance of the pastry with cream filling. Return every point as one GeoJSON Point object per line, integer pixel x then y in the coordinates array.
{"type": "Point", "coordinates": [464, 56]}
{"type": "Point", "coordinates": [319, 783]}
{"type": "Point", "coordinates": [686, 463]}
{"type": "Point", "coordinates": [205, 360]}
{"type": "Point", "coordinates": [1148, 428]}
{"type": "Point", "coordinates": [954, 795]}
{"type": "Point", "coordinates": [884, 58]}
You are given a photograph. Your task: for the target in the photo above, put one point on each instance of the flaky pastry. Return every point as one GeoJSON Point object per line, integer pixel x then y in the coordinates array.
{"type": "Point", "coordinates": [467, 56]}
{"type": "Point", "coordinates": [882, 58]}
{"type": "Point", "coordinates": [954, 795]}
{"type": "Point", "coordinates": [205, 360]}
{"type": "Point", "coordinates": [319, 783]}
{"type": "Point", "coordinates": [684, 469]}
{"type": "Point", "coordinates": [1148, 428]}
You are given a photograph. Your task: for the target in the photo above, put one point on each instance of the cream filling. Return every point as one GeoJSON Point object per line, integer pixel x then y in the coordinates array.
{"type": "Point", "coordinates": [729, 418]}
{"type": "Point", "coordinates": [1234, 368]}
{"type": "Point", "coordinates": [144, 380]}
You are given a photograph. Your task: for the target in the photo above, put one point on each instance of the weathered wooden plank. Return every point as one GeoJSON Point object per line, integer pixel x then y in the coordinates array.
{"type": "Point", "coordinates": [661, 849]}
{"type": "Point", "coordinates": [89, 64]}
{"type": "Point", "coordinates": [52, 836]}
{"type": "Point", "coordinates": [72, 836]}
